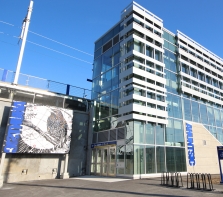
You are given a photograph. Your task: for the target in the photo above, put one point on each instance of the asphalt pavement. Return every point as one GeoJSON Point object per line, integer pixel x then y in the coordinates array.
{"type": "Point", "coordinates": [91, 186]}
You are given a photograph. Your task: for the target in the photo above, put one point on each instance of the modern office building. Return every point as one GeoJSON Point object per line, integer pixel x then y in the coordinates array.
{"type": "Point", "coordinates": [158, 100]}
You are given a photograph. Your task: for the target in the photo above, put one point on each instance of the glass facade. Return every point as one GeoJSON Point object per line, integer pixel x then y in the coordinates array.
{"type": "Point", "coordinates": [142, 96]}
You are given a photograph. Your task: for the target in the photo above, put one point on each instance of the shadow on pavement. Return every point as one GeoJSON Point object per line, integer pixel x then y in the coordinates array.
{"type": "Point", "coordinates": [95, 189]}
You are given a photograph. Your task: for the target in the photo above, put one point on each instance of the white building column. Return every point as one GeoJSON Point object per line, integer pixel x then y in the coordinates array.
{"type": "Point", "coordinates": [65, 174]}
{"type": "Point", "coordinates": [1, 169]}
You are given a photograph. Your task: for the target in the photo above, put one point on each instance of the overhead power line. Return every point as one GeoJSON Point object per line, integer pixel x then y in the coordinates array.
{"type": "Point", "coordinates": [60, 43]}
{"type": "Point", "coordinates": [59, 52]}
{"type": "Point", "coordinates": [51, 39]}
{"type": "Point", "coordinates": [51, 49]}
{"type": "Point", "coordinates": [6, 23]}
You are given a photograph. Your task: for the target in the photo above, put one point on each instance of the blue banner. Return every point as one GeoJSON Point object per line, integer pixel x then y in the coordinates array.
{"type": "Point", "coordinates": [14, 127]}
{"type": "Point", "coordinates": [190, 145]}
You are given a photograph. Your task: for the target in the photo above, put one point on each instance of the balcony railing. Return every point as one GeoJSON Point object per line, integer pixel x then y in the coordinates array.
{"type": "Point", "coordinates": [44, 84]}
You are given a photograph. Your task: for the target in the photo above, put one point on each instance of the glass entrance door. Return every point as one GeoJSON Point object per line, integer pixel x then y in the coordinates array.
{"type": "Point", "coordinates": [112, 161]}
{"type": "Point", "coordinates": [104, 164]}
{"type": "Point", "coordinates": [104, 161]}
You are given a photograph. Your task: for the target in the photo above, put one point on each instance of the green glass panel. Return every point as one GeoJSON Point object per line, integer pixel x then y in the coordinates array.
{"type": "Point", "coordinates": [139, 164]}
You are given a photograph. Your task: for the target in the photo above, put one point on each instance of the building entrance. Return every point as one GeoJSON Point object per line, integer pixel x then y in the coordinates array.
{"type": "Point", "coordinates": [104, 161]}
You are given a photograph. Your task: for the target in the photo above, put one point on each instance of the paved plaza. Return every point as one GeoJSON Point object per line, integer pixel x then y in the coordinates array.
{"type": "Point", "coordinates": [91, 186]}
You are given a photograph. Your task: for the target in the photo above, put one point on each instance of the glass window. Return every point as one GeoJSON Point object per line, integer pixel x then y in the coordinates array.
{"type": "Point", "coordinates": [97, 53]}
{"type": "Point", "coordinates": [215, 83]}
{"type": "Point", "coordinates": [211, 118]}
{"type": "Point", "coordinates": [203, 114]}
{"type": "Point", "coordinates": [179, 133]}
{"type": "Point", "coordinates": [172, 39]}
{"type": "Point", "coordinates": [172, 47]}
{"type": "Point", "coordinates": [170, 159]}
{"type": "Point", "coordinates": [187, 109]}
{"type": "Point", "coordinates": [150, 133]}
{"type": "Point", "coordinates": [98, 44]}
{"type": "Point", "coordinates": [130, 45]}
{"type": "Point", "coordinates": [185, 68]}
{"type": "Point", "coordinates": [105, 105]}
{"type": "Point", "coordinates": [139, 164]}
{"type": "Point", "coordinates": [176, 106]}
{"type": "Point", "coordinates": [96, 88]}
{"type": "Point", "coordinates": [106, 82]}
{"type": "Point", "coordinates": [173, 60]}
{"type": "Point", "coordinates": [107, 60]}
{"type": "Point", "coordinates": [193, 72]}
{"type": "Point", "coordinates": [129, 132]}
{"type": "Point", "coordinates": [169, 105]}
{"type": "Point", "coordinates": [115, 77]}
{"type": "Point", "coordinates": [116, 54]}
{"type": "Point", "coordinates": [114, 102]}
{"type": "Point", "coordinates": [200, 76]}
{"type": "Point", "coordinates": [138, 46]}
{"type": "Point", "coordinates": [180, 160]}
{"type": "Point", "coordinates": [138, 132]}
{"type": "Point", "coordinates": [149, 51]}
{"type": "Point", "coordinates": [217, 117]}
{"type": "Point", "coordinates": [160, 134]}
{"type": "Point", "coordinates": [165, 35]}
{"type": "Point", "coordinates": [160, 159]}
{"type": "Point", "coordinates": [195, 111]}
{"type": "Point", "coordinates": [104, 124]}
{"type": "Point", "coordinates": [150, 159]}
{"type": "Point", "coordinates": [158, 56]}
{"type": "Point", "coordinates": [150, 95]}
{"type": "Point", "coordinates": [166, 59]}
{"type": "Point", "coordinates": [129, 159]}
{"type": "Point", "coordinates": [97, 67]}
{"type": "Point", "coordinates": [166, 44]}
{"type": "Point", "coordinates": [108, 36]}
{"type": "Point", "coordinates": [169, 134]}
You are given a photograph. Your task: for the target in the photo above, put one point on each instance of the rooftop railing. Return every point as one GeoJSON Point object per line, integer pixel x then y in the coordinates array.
{"type": "Point", "coordinates": [45, 84]}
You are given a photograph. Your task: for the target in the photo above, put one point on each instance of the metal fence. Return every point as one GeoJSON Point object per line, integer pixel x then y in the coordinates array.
{"type": "Point", "coordinates": [44, 84]}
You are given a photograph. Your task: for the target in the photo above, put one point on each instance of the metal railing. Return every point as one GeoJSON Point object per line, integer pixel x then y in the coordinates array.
{"type": "Point", "coordinates": [44, 84]}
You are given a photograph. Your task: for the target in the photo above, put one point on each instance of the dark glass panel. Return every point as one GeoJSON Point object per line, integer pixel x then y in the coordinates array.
{"type": "Point", "coordinates": [180, 160]}
{"type": "Point", "coordinates": [170, 159]}
{"type": "Point", "coordinates": [160, 159]}
{"type": "Point", "coordinates": [150, 159]}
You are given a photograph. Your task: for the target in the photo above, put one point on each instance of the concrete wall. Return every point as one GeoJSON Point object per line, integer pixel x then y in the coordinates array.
{"type": "Point", "coordinates": [79, 141]}
{"type": "Point", "coordinates": [205, 155]}
{"type": "Point", "coordinates": [5, 105]}
{"type": "Point", "coordinates": [24, 167]}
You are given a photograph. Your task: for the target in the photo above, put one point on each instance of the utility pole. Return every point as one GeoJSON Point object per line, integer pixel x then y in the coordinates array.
{"type": "Point", "coordinates": [23, 36]}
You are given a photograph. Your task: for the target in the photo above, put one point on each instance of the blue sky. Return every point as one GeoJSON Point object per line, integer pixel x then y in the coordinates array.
{"type": "Point", "coordinates": [79, 23]}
